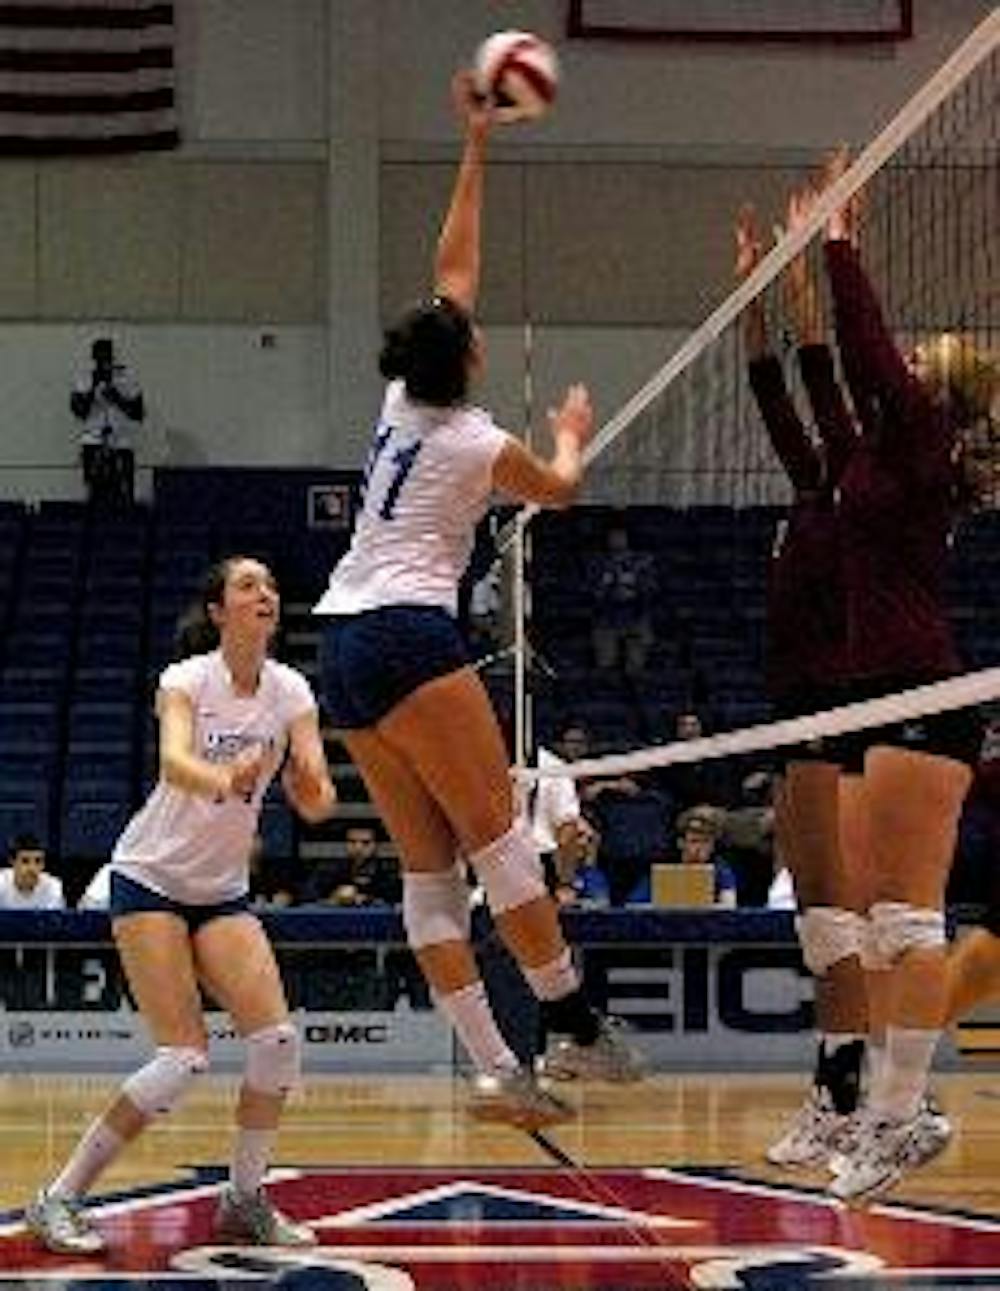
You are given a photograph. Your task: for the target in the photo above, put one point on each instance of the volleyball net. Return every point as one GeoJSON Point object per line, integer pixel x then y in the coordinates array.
{"type": "Point", "coordinates": [687, 467]}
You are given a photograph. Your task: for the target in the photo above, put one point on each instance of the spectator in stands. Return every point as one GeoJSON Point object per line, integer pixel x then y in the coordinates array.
{"type": "Point", "coordinates": [690, 784]}
{"type": "Point", "coordinates": [586, 884]}
{"type": "Point", "coordinates": [362, 877]}
{"type": "Point", "coordinates": [748, 838]}
{"type": "Point", "coordinates": [561, 833]}
{"type": "Point", "coordinates": [26, 885]}
{"type": "Point", "coordinates": [623, 584]}
{"type": "Point", "coordinates": [108, 403]}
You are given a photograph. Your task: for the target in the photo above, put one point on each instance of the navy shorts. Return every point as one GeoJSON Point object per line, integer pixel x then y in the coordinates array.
{"type": "Point", "coordinates": [957, 735]}
{"type": "Point", "coordinates": [800, 702]}
{"type": "Point", "coordinates": [129, 897]}
{"type": "Point", "coordinates": [370, 662]}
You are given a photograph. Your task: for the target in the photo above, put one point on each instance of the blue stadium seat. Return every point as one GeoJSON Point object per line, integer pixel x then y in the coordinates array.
{"type": "Point", "coordinates": [277, 831]}
{"type": "Point", "coordinates": [89, 830]}
{"type": "Point", "coordinates": [22, 816]}
{"type": "Point", "coordinates": [101, 722]}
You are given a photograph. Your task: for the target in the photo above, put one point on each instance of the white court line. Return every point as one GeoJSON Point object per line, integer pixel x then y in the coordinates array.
{"type": "Point", "coordinates": [891, 1210]}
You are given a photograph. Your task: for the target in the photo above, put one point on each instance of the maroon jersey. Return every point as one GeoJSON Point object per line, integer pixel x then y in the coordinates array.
{"type": "Point", "coordinates": [806, 646]}
{"type": "Point", "coordinates": [895, 497]}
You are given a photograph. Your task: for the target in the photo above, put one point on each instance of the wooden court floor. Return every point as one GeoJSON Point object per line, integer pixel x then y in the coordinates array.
{"type": "Point", "coordinates": [690, 1119]}
{"type": "Point", "coordinates": [387, 1129]}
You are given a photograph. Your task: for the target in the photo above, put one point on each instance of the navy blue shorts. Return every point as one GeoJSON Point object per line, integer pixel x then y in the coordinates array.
{"type": "Point", "coordinates": [957, 735]}
{"type": "Point", "coordinates": [129, 897]}
{"type": "Point", "coordinates": [372, 661]}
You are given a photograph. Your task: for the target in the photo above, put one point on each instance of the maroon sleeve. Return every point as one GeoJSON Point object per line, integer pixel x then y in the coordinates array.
{"type": "Point", "coordinates": [789, 437]}
{"type": "Point", "coordinates": [833, 417]}
{"type": "Point", "coordinates": [912, 432]}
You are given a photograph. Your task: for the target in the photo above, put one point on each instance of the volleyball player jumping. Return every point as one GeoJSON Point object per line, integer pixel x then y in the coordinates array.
{"type": "Point", "coordinates": [180, 910]}
{"type": "Point", "coordinates": [414, 716]}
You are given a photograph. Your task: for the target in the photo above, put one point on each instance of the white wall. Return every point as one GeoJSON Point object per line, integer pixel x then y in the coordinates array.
{"type": "Point", "coordinates": [254, 77]}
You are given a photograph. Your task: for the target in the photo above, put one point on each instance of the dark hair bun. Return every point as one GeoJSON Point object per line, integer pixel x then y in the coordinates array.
{"type": "Point", "coordinates": [429, 349]}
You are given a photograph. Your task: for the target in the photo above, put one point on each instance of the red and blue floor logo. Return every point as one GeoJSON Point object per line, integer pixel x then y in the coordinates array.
{"type": "Point", "coordinates": [526, 1230]}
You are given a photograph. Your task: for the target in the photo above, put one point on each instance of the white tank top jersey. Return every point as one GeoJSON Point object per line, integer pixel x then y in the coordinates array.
{"type": "Point", "coordinates": [427, 484]}
{"type": "Point", "coordinates": [194, 849]}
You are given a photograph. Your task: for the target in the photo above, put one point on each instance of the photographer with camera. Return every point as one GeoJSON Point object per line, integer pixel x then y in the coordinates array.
{"type": "Point", "coordinates": [110, 405]}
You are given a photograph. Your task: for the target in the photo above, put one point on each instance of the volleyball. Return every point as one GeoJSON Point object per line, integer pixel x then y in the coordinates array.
{"type": "Point", "coordinates": [518, 73]}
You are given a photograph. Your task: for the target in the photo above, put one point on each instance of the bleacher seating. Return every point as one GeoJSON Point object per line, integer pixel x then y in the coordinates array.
{"type": "Point", "coordinates": [88, 610]}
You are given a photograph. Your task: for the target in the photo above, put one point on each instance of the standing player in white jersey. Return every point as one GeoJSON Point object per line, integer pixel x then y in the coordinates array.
{"type": "Point", "coordinates": [415, 717]}
{"type": "Point", "coordinates": [179, 905]}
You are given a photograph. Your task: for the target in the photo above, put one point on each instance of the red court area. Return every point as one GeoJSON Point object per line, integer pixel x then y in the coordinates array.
{"type": "Point", "coordinates": [607, 1230]}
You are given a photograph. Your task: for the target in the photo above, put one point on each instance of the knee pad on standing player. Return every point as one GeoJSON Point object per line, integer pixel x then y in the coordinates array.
{"type": "Point", "coordinates": [827, 935]}
{"type": "Point", "coordinates": [273, 1059]}
{"type": "Point", "coordinates": [436, 906]}
{"type": "Point", "coordinates": [898, 927]}
{"type": "Point", "coordinates": [159, 1086]}
{"type": "Point", "coordinates": [510, 870]}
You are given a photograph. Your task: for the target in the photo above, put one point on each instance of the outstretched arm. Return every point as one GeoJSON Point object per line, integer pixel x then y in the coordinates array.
{"type": "Point", "coordinates": [457, 261]}
{"type": "Point", "coordinates": [802, 301]}
{"type": "Point", "coordinates": [555, 483]}
{"type": "Point", "coordinates": [784, 427]}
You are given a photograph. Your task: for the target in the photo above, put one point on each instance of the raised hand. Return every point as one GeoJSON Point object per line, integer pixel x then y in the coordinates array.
{"type": "Point", "coordinates": [472, 108]}
{"type": "Point", "coordinates": [575, 416]}
{"type": "Point", "coordinates": [748, 243]}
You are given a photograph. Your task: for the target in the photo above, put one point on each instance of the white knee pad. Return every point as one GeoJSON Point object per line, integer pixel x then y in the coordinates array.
{"type": "Point", "coordinates": [872, 958]}
{"type": "Point", "coordinates": [273, 1059]}
{"type": "Point", "coordinates": [158, 1086]}
{"type": "Point", "coordinates": [510, 870]}
{"type": "Point", "coordinates": [898, 927]}
{"type": "Point", "coordinates": [436, 906]}
{"type": "Point", "coordinates": [827, 935]}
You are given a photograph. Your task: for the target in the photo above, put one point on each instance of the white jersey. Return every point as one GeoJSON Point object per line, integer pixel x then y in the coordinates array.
{"type": "Point", "coordinates": [186, 846]}
{"type": "Point", "coordinates": [47, 894]}
{"type": "Point", "coordinates": [427, 484]}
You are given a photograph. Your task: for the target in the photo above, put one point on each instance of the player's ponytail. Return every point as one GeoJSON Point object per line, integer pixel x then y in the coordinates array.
{"type": "Point", "coordinates": [428, 349]}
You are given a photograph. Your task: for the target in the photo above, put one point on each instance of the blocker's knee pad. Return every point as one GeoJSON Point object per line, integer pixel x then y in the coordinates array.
{"type": "Point", "coordinates": [827, 935]}
{"type": "Point", "coordinates": [159, 1086]}
{"type": "Point", "coordinates": [872, 958]}
{"type": "Point", "coordinates": [898, 927]}
{"type": "Point", "coordinates": [436, 906]}
{"type": "Point", "coordinates": [273, 1059]}
{"type": "Point", "coordinates": [510, 870]}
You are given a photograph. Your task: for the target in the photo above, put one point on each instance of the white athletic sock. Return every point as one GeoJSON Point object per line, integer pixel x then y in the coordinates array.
{"type": "Point", "coordinates": [251, 1156]}
{"type": "Point", "coordinates": [555, 980]}
{"type": "Point", "coordinates": [471, 1017]}
{"type": "Point", "coordinates": [875, 1054]}
{"type": "Point", "coordinates": [902, 1081]}
{"type": "Point", "coordinates": [98, 1147]}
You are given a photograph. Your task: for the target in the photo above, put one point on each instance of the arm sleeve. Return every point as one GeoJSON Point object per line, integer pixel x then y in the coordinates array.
{"type": "Point", "coordinates": [784, 426]}
{"type": "Point", "coordinates": [911, 430]}
{"type": "Point", "coordinates": [830, 410]}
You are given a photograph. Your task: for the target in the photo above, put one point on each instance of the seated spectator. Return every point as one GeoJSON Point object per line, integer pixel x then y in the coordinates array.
{"type": "Point", "coordinates": [25, 885]}
{"type": "Point", "coordinates": [587, 885]}
{"type": "Point", "coordinates": [561, 834]}
{"type": "Point", "coordinates": [690, 784]}
{"type": "Point", "coordinates": [748, 838]}
{"type": "Point", "coordinates": [97, 893]}
{"type": "Point", "coordinates": [699, 832]}
{"type": "Point", "coordinates": [635, 835]}
{"type": "Point", "coordinates": [624, 588]}
{"type": "Point", "coordinates": [361, 878]}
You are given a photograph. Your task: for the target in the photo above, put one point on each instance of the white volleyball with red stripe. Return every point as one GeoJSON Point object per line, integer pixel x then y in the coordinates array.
{"type": "Point", "coordinates": [518, 72]}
